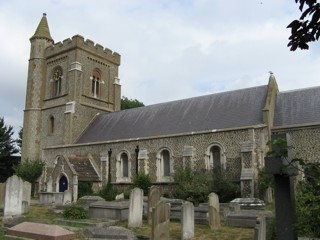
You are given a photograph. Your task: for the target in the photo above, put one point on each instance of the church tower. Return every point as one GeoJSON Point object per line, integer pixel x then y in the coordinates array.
{"type": "Point", "coordinates": [40, 41]}
{"type": "Point", "coordinates": [69, 83]}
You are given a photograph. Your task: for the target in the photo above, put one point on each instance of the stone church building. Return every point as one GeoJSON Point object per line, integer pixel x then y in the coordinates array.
{"type": "Point", "coordinates": [73, 122]}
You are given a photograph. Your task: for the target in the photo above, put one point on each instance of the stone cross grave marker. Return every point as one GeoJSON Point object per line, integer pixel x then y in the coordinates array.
{"type": "Point", "coordinates": [161, 221]}
{"type": "Point", "coordinates": [153, 199]}
{"type": "Point", "coordinates": [283, 172]}
{"type": "Point", "coordinates": [214, 211]}
{"type": "Point", "coordinates": [187, 218]}
{"type": "Point", "coordinates": [135, 208]}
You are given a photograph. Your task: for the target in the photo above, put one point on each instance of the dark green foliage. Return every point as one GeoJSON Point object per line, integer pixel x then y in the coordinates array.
{"type": "Point", "coordinates": [7, 149]}
{"type": "Point", "coordinates": [265, 181]}
{"type": "Point", "coordinates": [193, 186]}
{"type": "Point", "coordinates": [19, 140]}
{"type": "Point", "coordinates": [75, 211]}
{"type": "Point", "coordinates": [308, 208]}
{"type": "Point", "coordinates": [29, 171]}
{"type": "Point", "coordinates": [130, 103]}
{"type": "Point", "coordinates": [108, 192]}
{"type": "Point", "coordinates": [223, 185]}
{"type": "Point", "coordinates": [84, 189]}
{"type": "Point", "coordinates": [143, 182]}
{"type": "Point", "coordinates": [306, 29]}
{"type": "Point", "coordinates": [7, 144]}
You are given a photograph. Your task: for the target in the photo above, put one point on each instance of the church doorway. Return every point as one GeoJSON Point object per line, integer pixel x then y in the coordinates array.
{"type": "Point", "coordinates": [63, 184]}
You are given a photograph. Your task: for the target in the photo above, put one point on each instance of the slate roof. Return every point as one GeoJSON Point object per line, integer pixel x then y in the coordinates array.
{"type": "Point", "coordinates": [231, 109]}
{"type": "Point", "coordinates": [298, 107]}
{"type": "Point", "coordinates": [84, 169]}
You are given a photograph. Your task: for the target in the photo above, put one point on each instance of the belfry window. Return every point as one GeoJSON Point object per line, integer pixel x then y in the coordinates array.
{"type": "Point", "coordinates": [95, 84]}
{"type": "Point", "coordinates": [57, 80]}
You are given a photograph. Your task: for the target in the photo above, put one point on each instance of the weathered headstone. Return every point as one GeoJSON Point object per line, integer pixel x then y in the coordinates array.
{"type": "Point", "coordinates": [112, 232]}
{"type": "Point", "coordinates": [13, 196]}
{"type": "Point", "coordinates": [214, 211]}
{"type": "Point", "coordinates": [283, 172]}
{"type": "Point", "coordinates": [135, 208]}
{"type": "Point", "coordinates": [260, 230]}
{"type": "Point", "coordinates": [153, 199]}
{"type": "Point", "coordinates": [31, 230]}
{"type": "Point", "coordinates": [161, 221]}
{"type": "Point", "coordinates": [67, 197]}
{"type": "Point", "coordinates": [187, 218]}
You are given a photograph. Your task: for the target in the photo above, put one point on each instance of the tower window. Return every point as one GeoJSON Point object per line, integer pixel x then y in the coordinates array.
{"type": "Point", "coordinates": [95, 84]}
{"type": "Point", "coordinates": [57, 79]}
{"type": "Point", "coordinates": [51, 125]}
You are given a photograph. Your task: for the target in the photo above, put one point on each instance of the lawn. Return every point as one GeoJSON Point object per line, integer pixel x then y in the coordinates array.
{"type": "Point", "coordinates": [42, 215]}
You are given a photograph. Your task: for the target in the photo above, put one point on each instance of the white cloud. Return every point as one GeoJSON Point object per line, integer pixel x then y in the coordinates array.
{"type": "Point", "coordinates": [170, 49]}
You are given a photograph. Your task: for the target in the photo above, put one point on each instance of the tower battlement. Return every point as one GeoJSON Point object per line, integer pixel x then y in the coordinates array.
{"type": "Point", "coordinates": [78, 41]}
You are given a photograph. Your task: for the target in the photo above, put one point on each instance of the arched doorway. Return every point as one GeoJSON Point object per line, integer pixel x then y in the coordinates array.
{"type": "Point", "coordinates": [63, 184]}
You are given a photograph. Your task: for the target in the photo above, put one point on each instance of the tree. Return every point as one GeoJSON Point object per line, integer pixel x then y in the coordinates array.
{"type": "Point", "coordinates": [7, 144]}
{"type": "Point", "coordinates": [130, 103]}
{"type": "Point", "coordinates": [306, 29]}
{"type": "Point", "coordinates": [7, 149]}
{"type": "Point", "coordinates": [19, 139]}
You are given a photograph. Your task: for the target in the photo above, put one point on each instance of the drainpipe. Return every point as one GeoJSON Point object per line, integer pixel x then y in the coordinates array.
{"type": "Point", "coordinates": [109, 165]}
{"type": "Point", "coordinates": [137, 154]}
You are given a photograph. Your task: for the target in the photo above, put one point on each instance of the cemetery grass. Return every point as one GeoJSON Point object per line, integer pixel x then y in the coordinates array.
{"type": "Point", "coordinates": [41, 214]}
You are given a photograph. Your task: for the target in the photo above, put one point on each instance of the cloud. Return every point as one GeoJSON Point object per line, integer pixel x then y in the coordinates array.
{"type": "Point", "coordinates": [169, 49]}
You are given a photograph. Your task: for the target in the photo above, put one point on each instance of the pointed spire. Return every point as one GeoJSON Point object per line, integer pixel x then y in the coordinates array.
{"type": "Point", "coordinates": [42, 30]}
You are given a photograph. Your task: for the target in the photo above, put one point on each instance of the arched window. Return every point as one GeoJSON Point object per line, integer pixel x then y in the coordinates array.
{"type": "Point", "coordinates": [57, 81]}
{"type": "Point", "coordinates": [164, 166]}
{"type": "Point", "coordinates": [215, 157]}
{"type": "Point", "coordinates": [96, 83]}
{"type": "Point", "coordinates": [123, 166]}
{"type": "Point", "coordinates": [51, 125]}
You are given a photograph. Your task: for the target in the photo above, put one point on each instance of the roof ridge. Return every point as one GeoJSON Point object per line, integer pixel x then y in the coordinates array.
{"type": "Point", "coordinates": [299, 89]}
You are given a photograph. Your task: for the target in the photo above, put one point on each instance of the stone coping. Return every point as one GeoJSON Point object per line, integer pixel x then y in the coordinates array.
{"type": "Point", "coordinates": [110, 204]}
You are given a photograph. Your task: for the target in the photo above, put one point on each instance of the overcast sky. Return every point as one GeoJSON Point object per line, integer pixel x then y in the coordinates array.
{"type": "Point", "coordinates": [169, 49]}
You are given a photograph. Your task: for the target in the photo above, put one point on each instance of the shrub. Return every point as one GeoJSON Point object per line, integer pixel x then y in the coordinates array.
{"type": "Point", "coordinates": [308, 209]}
{"type": "Point", "coordinates": [143, 182]}
{"type": "Point", "coordinates": [265, 181]}
{"type": "Point", "coordinates": [108, 192]}
{"type": "Point", "coordinates": [84, 188]}
{"type": "Point", "coordinates": [193, 186]}
{"type": "Point", "coordinates": [223, 185]}
{"type": "Point", "coordinates": [75, 211]}
{"type": "Point", "coordinates": [29, 171]}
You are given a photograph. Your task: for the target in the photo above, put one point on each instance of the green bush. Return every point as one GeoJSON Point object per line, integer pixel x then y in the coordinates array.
{"type": "Point", "coordinates": [265, 181]}
{"type": "Point", "coordinates": [193, 186]}
{"type": "Point", "coordinates": [143, 182]}
{"type": "Point", "coordinates": [308, 209]}
{"type": "Point", "coordinates": [224, 186]}
{"type": "Point", "coordinates": [108, 192]}
{"type": "Point", "coordinates": [75, 211]}
{"type": "Point", "coordinates": [29, 171]}
{"type": "Point", "coordinates": [84, 189]}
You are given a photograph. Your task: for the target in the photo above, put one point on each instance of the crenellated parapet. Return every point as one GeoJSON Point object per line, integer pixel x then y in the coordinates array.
{"type": "Point", "coordinates": [78, 41]}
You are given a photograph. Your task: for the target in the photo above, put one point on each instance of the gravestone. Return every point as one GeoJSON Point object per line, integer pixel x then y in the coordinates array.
{"type": "Point", "coordinates": [112, 232]}
{"type": "Point", "coordinates": [29, 230]}
{"type": "Point", "coordinates": [283, 171]}
{"type": "Point", "coordinates": [214, 211]}
{"type": "Point", "coordinates": [13, 196]}
{"type": "Point", "coordinates": [160, 221]}
{"type": "Point", "coordinates": [26, 192]}
{"type": "Point", "coordinates": [115, 210]}
{"type": "Point", "coordinates": [260, 230]}
{"type": "Point", "coordinates": [135, 208]}
{"type": "Point", "coordinates": [187, 218]}
{"type": "Point", "coordinates": [153, 199]}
